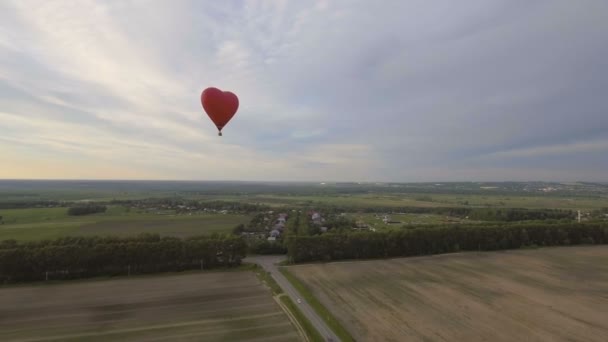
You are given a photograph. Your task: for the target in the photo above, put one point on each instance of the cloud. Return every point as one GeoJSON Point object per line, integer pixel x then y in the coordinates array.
{"type": "Point", "coordinates": [553, 150]}
{"type": "Point", "coordinates": [329, 90]}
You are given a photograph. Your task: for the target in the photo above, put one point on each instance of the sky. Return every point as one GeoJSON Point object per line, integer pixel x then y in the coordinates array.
{"type": "Point", "coordinates": [340, 90]}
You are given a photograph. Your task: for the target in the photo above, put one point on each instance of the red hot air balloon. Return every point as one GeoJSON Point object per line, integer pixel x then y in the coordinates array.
{"type": "Point", "coordinates": [220, 106]}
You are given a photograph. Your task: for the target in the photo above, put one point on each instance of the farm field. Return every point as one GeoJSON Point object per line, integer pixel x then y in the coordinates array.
{"type": "Point", "coordinates": [375, 220]}
{"type": "Point", "coordinates": [45, 223]}
{"type": "Point", "coordinates": [521, 201]}
{"type": "Point", "coordinates": [549, 294]}
{"type": "Point", "coordinates": [217, 306]}
{"type": "Point", "coordinates": [584, 196]}
{"type": "Point", "coordinates": [433, 200]}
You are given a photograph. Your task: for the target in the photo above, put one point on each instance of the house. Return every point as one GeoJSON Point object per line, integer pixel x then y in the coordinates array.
{"type": "Point", "coordinates": [323, 229]}
{"type": "Point", "coordinates": [279, 227]}
{"type": "Point", "coordinates": [281, 220]}
{"type": "Point", "coordinates": [271, 238]}
{"type": "Point", "coordinates": [283, 216]}
{"type": "Point", "coordinates": [361, 225]}
{"type": "Point", "coordinates": [316, 218]}
{"type": "Point", "coordinates": [275, 233]}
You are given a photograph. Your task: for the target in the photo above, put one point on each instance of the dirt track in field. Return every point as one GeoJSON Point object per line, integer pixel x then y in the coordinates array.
{"type": "Point", "coordinates": [550, 294]}
{"type": "Point", "coordinates": [218, 306]}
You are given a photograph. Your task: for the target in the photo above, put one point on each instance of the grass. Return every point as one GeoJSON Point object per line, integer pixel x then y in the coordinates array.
{"type": "Point", "coordinates": [404, 219]}
{"type": "Point", "coordinates": [309, 329]}
{"type": "Point", "coordinates": [433, 200]}
{"type": "Point", "coordinates": [33, 215]}
{"type": "Point", "coordinates": [180, 226]}
{"type": "Point", "coordinates": [267, 279]}
{"type": "Point", "coordinates": [325, 314]}
{"type": "Point", "coordinates": [48, 223]}
{"type": "Point", "coordinates": [521, 201]}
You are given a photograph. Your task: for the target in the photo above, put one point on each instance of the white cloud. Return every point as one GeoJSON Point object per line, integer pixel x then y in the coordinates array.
{"type": "Point", "coordinates": [328, 89]}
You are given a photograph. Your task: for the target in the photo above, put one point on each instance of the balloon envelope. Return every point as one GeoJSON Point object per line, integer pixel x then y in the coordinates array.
{"type": "Point", "coordinates": [219, 105]}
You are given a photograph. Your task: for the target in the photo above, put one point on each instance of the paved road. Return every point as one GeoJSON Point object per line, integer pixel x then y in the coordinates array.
{"type": "Point", "coordinates": [268, 262]}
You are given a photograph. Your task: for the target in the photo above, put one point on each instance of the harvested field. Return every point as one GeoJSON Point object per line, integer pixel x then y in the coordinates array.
{"type": "Point", "coordinates": [549, 294]}
{"type": "Point", "coordinates": [218, 306]}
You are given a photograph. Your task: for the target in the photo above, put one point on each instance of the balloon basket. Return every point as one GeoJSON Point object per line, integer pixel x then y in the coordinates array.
{"type": "Point", "coordinates": [219, 134]}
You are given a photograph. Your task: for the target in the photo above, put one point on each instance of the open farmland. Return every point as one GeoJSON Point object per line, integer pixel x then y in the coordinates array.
{"type": "Point", "coordinates": [550, 294]}
{"type": "Point", "coordinates": [180, 226]}
{"type": "Point", "coordinates": [48, 223]}
{"type": "Point", "coordinates": [399, 220]}
{"type": "Point", "coordinates": [218, 306]}
{"type": "Point", "coordinates": [399, 200]}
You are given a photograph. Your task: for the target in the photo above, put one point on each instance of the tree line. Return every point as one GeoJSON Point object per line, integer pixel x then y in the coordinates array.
{"type": "Point", "coordinates": [194, 204]}
{"type": "Point", "coordinates": [264, 247]}
{"type": "Point", "coordinates": [518, 214]}
{"type": "Point", "coordinates": [31, 204]}
{"type": "Point", "coordinates": [446, 239]}
{"type": "Point", "coordinates": [81, 257]}
{"type": "Point", "coordinates": [484, 214]}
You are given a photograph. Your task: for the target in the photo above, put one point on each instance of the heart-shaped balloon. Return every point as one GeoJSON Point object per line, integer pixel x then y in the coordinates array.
{"type": "Point", "coordinates": [220, 106]}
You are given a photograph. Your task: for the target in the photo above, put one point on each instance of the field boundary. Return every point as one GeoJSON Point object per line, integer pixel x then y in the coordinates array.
{"type": "Point", "coordinates": [305, 328]}
{"type": "Point", "coordinates": [321, 310]}
{"type": "Point", "coordinates": [147, 328]}
{"type": "Point", "coordinates": [243, 267]}
{"type": "Point", "coordinates": [291, 316]}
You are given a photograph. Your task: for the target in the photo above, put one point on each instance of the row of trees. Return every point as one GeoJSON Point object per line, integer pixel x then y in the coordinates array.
{"type": "Point", "coordinates": [79, 257]}
{"type": "Point", "coordinates": [484, 214]}
{"type": "Point", "coordinates": [264, 247]}
{"type": "Point", "coordinates": [518, 214]}
{"type": "Point", "coordinates": [423, 241]}
{"type": "Point", "coordinates": [87, 210]}
{"type": "Point", "coordinates": [31, 204]}
{"type": "Point", "coordinates": [193, 204]}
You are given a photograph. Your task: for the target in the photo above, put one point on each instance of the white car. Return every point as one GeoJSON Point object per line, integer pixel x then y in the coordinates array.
{"type": "Point", "coordinates": [299, 301]}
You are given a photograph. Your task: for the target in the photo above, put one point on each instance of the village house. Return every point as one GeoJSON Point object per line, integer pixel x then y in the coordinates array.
{"type": "Point", "coordinates": [316, 218]}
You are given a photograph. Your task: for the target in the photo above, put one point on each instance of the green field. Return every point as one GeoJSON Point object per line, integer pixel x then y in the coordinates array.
{"type": "Point", "coordinates": [496, 194]}
{"type": "Point", "coordinates": [45, 223]}
{"type": "Point", "coordinates": [42, 223]}
{"type": "Point", "coordinates": [375, 221]}
{"type": "Point", "coordinates": [426, 200]}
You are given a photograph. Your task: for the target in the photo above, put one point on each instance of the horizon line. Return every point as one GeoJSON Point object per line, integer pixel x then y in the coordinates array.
{"type": "Point", "coordinates": [290, 181]}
